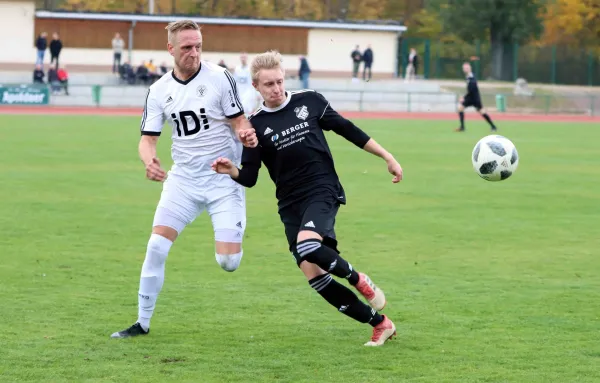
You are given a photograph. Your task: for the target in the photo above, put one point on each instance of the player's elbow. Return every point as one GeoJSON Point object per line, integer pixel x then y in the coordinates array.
{"type": "Point", "coordinates": [250, 183]}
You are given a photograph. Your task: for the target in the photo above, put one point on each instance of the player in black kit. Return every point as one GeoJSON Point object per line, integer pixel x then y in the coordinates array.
{"type": "Point", "coordinates": [472, 98]}
{"type": "Point", "coordinates": [290, 129]}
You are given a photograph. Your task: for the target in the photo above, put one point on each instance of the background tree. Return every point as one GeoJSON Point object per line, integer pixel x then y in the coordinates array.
{"type": "Point", "coordinates": [505, 22]}
{"type": "Point", "coordinates": [572, 22]}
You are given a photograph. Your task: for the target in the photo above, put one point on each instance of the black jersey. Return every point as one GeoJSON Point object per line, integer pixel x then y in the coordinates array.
{"type": "Point", "coordinates": [472, 95]}
{"type": "Point", "coordinates": [293, 148]}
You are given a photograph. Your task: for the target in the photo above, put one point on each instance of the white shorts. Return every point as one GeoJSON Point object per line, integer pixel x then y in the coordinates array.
{"type": "Point", "coordinates": [181, 202]}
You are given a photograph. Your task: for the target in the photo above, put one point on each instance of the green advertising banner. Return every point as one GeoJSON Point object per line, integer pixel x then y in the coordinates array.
{"type": "Point", "coordinates": [24, 95]}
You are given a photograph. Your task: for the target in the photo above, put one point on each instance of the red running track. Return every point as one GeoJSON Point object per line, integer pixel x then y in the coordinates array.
{"type": "Point", "coordinates": [105, 111]}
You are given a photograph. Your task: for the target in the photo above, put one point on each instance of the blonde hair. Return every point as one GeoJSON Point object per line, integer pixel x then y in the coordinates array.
{"type": "Point", "coordinates": [267, 60]}
{"type": "Point", "coordinates": [182, 25]}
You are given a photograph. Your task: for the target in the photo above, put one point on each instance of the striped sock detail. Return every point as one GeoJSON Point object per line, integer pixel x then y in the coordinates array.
{"type": "Point", "coordinates": [320, 282]}
{"type": "Point", "coordinates": [306, 247]}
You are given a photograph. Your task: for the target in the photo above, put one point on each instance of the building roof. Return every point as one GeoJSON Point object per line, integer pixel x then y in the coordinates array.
{"type": "Point", "coordinates": [357, 26]}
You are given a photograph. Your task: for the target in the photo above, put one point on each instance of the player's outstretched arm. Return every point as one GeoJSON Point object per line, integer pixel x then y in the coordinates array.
{"type": "Point", "coordinates": [332, 120]}
{"type": "Point", "coordinates": [248, 174]}
{"type": "Point", "coordinates": [393, 166]}
{"type": "Point", "coordinates": [147, 152]}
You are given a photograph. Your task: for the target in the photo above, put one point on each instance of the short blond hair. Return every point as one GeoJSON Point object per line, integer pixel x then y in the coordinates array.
{"type": "Point", "coordinates": [175, 27]}
{"type": "Point", "coordinates": [267, 60]}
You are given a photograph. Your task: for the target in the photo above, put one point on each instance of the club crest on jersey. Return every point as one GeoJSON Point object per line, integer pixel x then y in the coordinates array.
{"type": "Point", "coordinates": [301, 112]}
{"type": "Point", "coordinates": [201, 90]}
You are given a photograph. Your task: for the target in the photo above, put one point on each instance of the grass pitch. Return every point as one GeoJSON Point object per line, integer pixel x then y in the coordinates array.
{"type": "Point", "coordinates": [487, 282]}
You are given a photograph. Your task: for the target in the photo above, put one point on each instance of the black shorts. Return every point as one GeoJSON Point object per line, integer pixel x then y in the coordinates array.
{"type": "Point", "coordinates": [316, 213]}
{"type": "Point", "coordinates": [474, 103]}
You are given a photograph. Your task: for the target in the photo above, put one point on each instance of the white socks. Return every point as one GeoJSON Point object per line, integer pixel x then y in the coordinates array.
{"type": "Point", "coordinates": [152, 278]}
{"type": "Point", "coordinates": [229, 262]}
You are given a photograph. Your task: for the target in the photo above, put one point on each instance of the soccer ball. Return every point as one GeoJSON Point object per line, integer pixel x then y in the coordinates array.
{"type": "Point", "coordinates": [495, 158]}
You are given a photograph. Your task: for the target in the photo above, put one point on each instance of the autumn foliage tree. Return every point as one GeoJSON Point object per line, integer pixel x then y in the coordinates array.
{"type": "Point", "coordinates": [572, 22]}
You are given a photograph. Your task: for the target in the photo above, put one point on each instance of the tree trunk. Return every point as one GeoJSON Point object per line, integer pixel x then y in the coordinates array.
{"type": "Point", "coordinates": [503, 55]}
{"type": "Point", "coordinates": [508, 61]}
{"type": "Point", "coordinates": [497, 52]}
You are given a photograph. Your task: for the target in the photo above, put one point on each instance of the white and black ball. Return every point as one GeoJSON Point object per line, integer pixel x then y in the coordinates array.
{"type": "Point", "coordinates": [495, 158]}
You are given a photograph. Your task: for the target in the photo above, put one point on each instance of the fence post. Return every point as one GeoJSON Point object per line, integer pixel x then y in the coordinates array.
{"type": "Point", "coordinates": [400, 54]}
{"type": "Point", "coordinates": [590, 69]}
{"type": "Point", "coordinates": [592, 105]}
{"type": "Point", "coordinates": [426, 60]}
{"type": "Point", "coordinates": [547, 106]}
{"type": "Point", "coordinates": [360, 101]}
{"type": "Point", "coordinates": [515, 61]}
{"type": "Point", "coordinates": [456, 102]}
{"type": "Point", "coordinates": [478, 61]}
{"type": "Point", "coordinates": [96, 94]}
{"type": "Point", "coordinates": [553, 67]}
{"type": "Point", "coordinates": [408, 107]}
{"type": "Point", "coordinates": [437, 60]}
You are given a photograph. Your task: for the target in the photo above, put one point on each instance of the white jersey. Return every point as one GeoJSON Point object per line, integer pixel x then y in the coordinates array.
{"type": "Point", "coordinates": [197, 110]}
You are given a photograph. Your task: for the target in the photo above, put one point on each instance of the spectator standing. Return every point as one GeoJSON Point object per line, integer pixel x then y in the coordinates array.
{"type": "Point", "coordinates": [41, 44]}
{"type": "Point", "coordinates": [118, 44]}
{"type": "Point", "coordinates": [55, 48]}
{"type": "Point", "coordinates": [368, 62]}
{"type": "Point", "coordinates": [356, 59]}
{"type": "Point", "coordinates": [413, 64]}
{"type": "Point", "coordinates": [304, 72]}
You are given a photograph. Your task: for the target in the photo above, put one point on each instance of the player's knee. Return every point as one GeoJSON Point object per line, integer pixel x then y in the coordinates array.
{"type": "Point", "coordinates": [156, 254]}
{"type": "Point", "coordinates": [229, 248]}
{"type": "Point", "coordinates": [311, 270]}
{"type": "Point", "coordinates": [306, 250]}
{"type": "Point", "coordinates": [304, 235]}
{"type": "Point", "coordinates": [229, 262]}
{"type": "Point", "coordinates": [229, 236]}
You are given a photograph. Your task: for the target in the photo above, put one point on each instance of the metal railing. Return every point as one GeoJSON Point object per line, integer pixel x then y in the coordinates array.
{"type": "Point", "coordinates": [342, 99]}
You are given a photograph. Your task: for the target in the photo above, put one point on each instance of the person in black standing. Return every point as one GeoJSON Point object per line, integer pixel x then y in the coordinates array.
{"type": "Point", "coordinates": [356, 59]}
{"type": "Point", "coordinates": [368, 62]}
{"type": "Point", "coordinates": [41, 44]}
{"type": "Point", "coordinates": [304, 72]}
{"type": "Point", "coordinates": [472, 98]}
{"type": "Point", "coordinates": [55, 48]}
{"type": "Point", "coordinates": [290, 127]}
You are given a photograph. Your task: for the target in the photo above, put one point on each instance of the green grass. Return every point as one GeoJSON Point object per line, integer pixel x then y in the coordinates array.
{"type": "Point", "coordinates": [487, 282]}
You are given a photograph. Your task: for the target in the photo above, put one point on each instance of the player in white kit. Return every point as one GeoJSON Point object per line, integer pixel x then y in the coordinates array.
{"type": "Point", "coordinates": [200, 102]}
{"type": "Point", "coordinates": [243, 78]}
